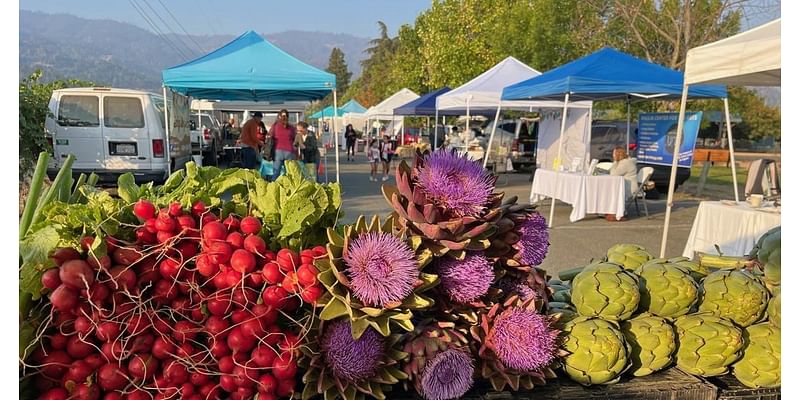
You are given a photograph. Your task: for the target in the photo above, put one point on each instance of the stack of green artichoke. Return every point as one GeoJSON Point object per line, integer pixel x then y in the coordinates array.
{"type": "Point", "coordinates": [632, 313]}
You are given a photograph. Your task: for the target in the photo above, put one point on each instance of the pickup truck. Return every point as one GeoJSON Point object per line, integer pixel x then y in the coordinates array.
{"type": "Point", "coordinates": [207, 139]}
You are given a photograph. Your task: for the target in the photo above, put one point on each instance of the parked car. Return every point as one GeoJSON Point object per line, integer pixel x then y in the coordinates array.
{"type": "Point", "coordinates": [606, 135]}
{"type": "Point", "coordinates": [518, 136]}
{"type": "Point", "coordinates": [208, 138]}
{"type": "Point", "coordinates": [113, 131]}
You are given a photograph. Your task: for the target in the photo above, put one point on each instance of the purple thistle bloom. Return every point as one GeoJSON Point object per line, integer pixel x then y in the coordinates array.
{"type": "Point", "coordinates": [519, 287]}
{"type": "Point", "coordinates": [523, 339]}
{"type": "Point", "coordinates": [533, 239]}
{"type": "Point", "coordinates": [382, 268]}
{"type": "Point", "coordinates": [351, 360]}
{"type": "Point", "coordinates": [465, 280]}
{"type": "Point", "coordinates": [460, 186]}
{"type": "Point", "coordinates": [448, 375]}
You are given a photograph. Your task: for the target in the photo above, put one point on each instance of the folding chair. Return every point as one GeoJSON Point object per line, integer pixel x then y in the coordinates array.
{"type": "Point", "coordinates": [644, 175]}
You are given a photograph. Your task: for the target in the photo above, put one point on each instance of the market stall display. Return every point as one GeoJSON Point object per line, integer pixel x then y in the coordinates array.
{"type": "Point", "coordinates": [588, 194]}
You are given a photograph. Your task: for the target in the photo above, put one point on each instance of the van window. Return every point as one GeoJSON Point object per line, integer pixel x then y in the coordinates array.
{"type": "Point", "coordinates": [123, 112]}
{"type": "Point", "coordinates": [79, 111]}
{"type": "Point", "coordinates": [158, 103]}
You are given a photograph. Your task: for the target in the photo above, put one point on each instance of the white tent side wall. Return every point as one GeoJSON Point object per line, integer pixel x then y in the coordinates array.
{"type": "Point", "coordinates": [577, 135]}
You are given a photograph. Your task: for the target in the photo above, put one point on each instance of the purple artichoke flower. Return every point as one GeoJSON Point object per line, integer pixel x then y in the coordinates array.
{"type": "Point", "coordinates": [465, 280]}
{"type": "Point", "coordinates": [382, 268]}
{"type": "Point", "coordinates": [351, 360]}
{"type": "Point", "coordinates": [461, 186]}
{"type": "Point", "coordinates": [523, 339]}
{"type": "Point", "coordinates": [533, 239]}
{"type": "Point", "coordinates": [517, 286]}
{"type": "Point", "coordinates": [448, 375]}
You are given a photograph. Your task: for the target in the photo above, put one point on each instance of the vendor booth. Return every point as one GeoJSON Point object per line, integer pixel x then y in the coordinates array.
{"type": "Point", "coordinates": [384, 111]}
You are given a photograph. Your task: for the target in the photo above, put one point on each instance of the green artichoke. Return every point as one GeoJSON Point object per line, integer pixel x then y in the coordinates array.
{"type": "Point", "coordinates": [734, 294]}
{"type": "Point", "coordinates": [598, 352]}
{"type": "Point", "coordinates": [760, 365]}
{"type": "Point", "coordinates": [631, 256]}
{"type": "Point", "coordinates": [667, 289]}
{"type": "Point", "coordinates": [652, 341]}
{"type": "Point", "coordinates": [768, 253]}
{"type": "Point", "coordinates": [774, 307]}
{"type": "Point", "coordinates": [707, 344]}
{"type": "Point", "coordinates": [381, 283]}
{"type": "Point", "coordinates": [606, 290]}
{"type": "Point", "coordinates": [696, 270]}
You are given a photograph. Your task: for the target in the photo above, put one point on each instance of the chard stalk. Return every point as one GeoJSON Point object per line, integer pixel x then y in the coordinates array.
{"type": "Point", "coordinates": [35, 190]}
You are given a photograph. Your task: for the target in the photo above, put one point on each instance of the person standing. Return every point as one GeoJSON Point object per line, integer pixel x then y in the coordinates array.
{"type": "Point", "coordinates": [251, 132]}
{"type": "Point", "coordinates": [282, 134]}
{"type": "Point", "coordinates": [387, 152]}
{"type": "Point", "coordinates": [306, 143]}
{"type": "Point", "coordinates": [350, 138]}
{"type": "Point", "coordinates": [374, 156]}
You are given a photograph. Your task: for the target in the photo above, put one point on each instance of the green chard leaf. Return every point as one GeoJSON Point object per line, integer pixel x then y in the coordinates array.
{"type": "Point", "coordinates": [35, 250]}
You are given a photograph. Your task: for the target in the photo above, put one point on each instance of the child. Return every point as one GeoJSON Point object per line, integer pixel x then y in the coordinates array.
{"type": "Point", "coordinates": [374, 155]}
{"type": "Point", "coordinates": [386, 154]}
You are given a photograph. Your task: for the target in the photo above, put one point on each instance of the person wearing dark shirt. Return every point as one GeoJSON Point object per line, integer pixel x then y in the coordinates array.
{"type": "Point", "coordinates": [282, 134]}
{"type": "Point", "coordinates": [251, 132]}
{"type": "Point", "coordinates": [350, 138]}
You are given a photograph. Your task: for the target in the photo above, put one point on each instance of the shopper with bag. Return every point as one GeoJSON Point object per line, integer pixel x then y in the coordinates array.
{"type": "Point", "coordinates": [252, 139]}
{"type": "Point", "coordinates": [282, 134]}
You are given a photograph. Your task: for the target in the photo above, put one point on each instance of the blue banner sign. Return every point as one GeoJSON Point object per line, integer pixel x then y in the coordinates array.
{"type": "Point", "coordinates": [657, 138]}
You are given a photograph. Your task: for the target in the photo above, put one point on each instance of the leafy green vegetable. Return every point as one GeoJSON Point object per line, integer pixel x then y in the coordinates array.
{"type": "Point", "coordinates": [35, 251]}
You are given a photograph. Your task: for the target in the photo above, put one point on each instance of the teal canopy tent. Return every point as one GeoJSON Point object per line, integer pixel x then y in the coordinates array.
{"type": "Point", "coordinates": [351, 106]}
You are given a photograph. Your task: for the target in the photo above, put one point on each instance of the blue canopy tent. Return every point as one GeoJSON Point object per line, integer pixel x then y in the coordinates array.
{"type": "Point", "coordinates": [252, 69]}
{"type": "Point", "coordinates": [608, 74]}
{"type": "Point", "coordinates": [351, 106]}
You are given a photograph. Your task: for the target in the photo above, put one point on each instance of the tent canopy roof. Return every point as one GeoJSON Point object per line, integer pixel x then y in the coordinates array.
{"type": "Point", "coordinates": [351, 106]}
{"type": "Point", "coordinates": [387, 106]}
{"type": "Point", "coordinates": [424, 105]}
{"type": "Point", "coordinates": [749, 58]}
{"type": "Point", "coordinates": [483, 92]}
{"type": "Point", "coordinates": [608, 74]}
{"type": "Point", "coordinates": [249, 68]}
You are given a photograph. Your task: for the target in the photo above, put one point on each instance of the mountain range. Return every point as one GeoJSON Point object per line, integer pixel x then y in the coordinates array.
{"type": "Point", "coordinates": [123, 55]}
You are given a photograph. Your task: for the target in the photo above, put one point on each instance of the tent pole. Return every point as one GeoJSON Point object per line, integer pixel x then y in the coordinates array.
{"type": "Point", "coordinates": [466, 128]}
{"type": "Point", "coordinates": [436, 130]}
{"type": "Point", "coordinates": [336, 137]}
{"type": "Point", "coordinates": [560, 142]}
{"type": "Point", "coordinates": [166, 127]}
{"type": "Point", "coordinates": [491, 137]}
{"type": "Point", "coordinates": [730, 149]}
{"type": "Point", "coordinates": [674, 171]}
{"type": "Point", "coordinates": [628, 132]}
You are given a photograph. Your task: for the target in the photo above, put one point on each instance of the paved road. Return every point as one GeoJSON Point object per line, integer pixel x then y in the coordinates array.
{"type": "Point", "coordinates": [572, 244]}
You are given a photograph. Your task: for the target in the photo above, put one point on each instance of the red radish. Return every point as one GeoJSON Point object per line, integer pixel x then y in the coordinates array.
{"type": "Point", "coordinates": [219, 252]}
{"type": "Point", "coordinates": [137, 324]}
{"type": "Point", "coordinates": [204, 266]}
{"type": "Point", "coordinates": [226, 364]}
{"type": "Point", "coordinates": [214, 230]}
{"type": "Point", "coordinates": [268, 256]}
{"type": "Point", "coordinates": [97, 293]}
{"type": "Point", "coordinates": [56, 364]}
{"type": "Point", "coordinates": [144, 209]}
{"type": "Point", "coordinates": [272, 273]}
{"type": "Point", "coordinates": [198, 208]}
{"type": "Point", "coordinates": [163, 348]}
{"type": "Point", "coordinates": [126, 256]}
{"type": "Point", "coordinates": [78, 371]}
{"type": "Point", "coordinates": [254, 279]}
{"type": "Point", "coordinates": [307, 275]}
{"type": "Point", "coordinates": [187, 390]}
{"type": "Point", "coordinates": [138, 394]}
{"type": "Point", "coordinates": [55, 394]}
{"type": "Point", "coordinates": [112, 396]}
{"type": "Point", "coordinates": [255, 244]}
{"type": "Point", "coordinates": [150, 226]}
{"type": "Point", "coordinates": [76, 274]}
{"type": "Point", "coordinates": [310, 294]}
{"type": "Point", "coordinates": [165, 223]}
{"type": "Point", "coordinates": [239, 342]}
{"type": "Point", "coordinates": [290, 283]}
{"type": "Point", "coordinates": [263, 356]}
{"type": "Point", "coordinates": [219, 348]}
{"type": "Point", "coordinates": [64, 299]}
{"type": "Point", "coordinates": [79, 348]}
{"type": "Point", "coordinates": [252, 328]}
{"type": "Point", "coordinates": [244, 297]}
{"type": "Point", "coordinates": [164, 236]}
{"type": "Point", "coordinates": [50, 278]}
{"type": "Point", "coordinates": [242, 393]}
{"type": "Point", "coordinates": [112, 377]}
{"type": "Point", "coordinates": [187, 249]}
{"type": "Point", "coordinates": [86, 243]}
{"type": "Point", "coordinates": [186, 222]}
{"type": "Point", "coordinates": [216, 325]}
{"type": "Point", "coordinates": [228, 383]}
{"type": "Point", "coordinates": [169, 268]}
{"type": "Point", "coordinates": [83, 325]}
{"type": "Point", "coordinates": [267, 396]}
{"type": "Point", "coordinates": [184, 331]}
{"type": "Point", "coordinates": [165, 291]}
{"type": "Point", "coordinates": [64, 254]}
{"type": "Point", "coordinates": [239, 316]}
{"type": "Point", "coordinates": [123, 277]}
{"type": "Point", "coordinates": [266, 314]}
{"type": "Point", "coordinates": [113, 351]}
{"type": "Point", "coordinates": [319, 251]}
{"type": "Point", "coordinates": [232, 223]}
{"type": "Point", "coordinates": [208, 218]}
{"type": "Point", "coordinates": [246, 377]}
{"type": "Point", "coordinates": [86, 391]}
{"type": "Point", "coordinates": [235, 239]}
{"type": "Point", "coordinates": [275, 296]}
{"type": "Point", "coordinates": [210, 390]}
{"type": "Point", "coordinates": [233, 278]}
{"type": "Point", "coordinates": [112, 244]}
{"type": "Point", "coordinates": [175, 209]}
{"type": "Point", "coordinates": [58, 341]}
{"type": "Point", "coordinates": [307, 257]}
{"type": "Point", "coordinates": [101, 263]}
{"type": "Point", "coordinates": [199, 379]}
{"type": "Point", "coordinates": [292, 303]}
{"type": "Point", "coordinates": [285, 387]}
{"type": "Point", "coordinates": [250, 225]}
{"type": "Point", "coordinates": [220, 280]}
{"type": "Point", "coordinates": [219, 303]}
{"type": "Point", "coordinates": [141, 343]}
{"type": "Point", "coordinates": [142, 366]}
{"type": "Point", "coordinates": [95, 360]}
{"type": "Point", "coordinates": [243, 261]}
{"type": "Point", "coordinates": [267, 383]}
{"type": "Point", "coordinates": [175, 372]}
{"type": "Point", "coordinates": [290, 342]}
{"type": "Point", "coordinates": [287, 259]}
{"type": "Point", "coordinates": [273, 335]}
{"type": "Point", "coordinates": [108, 331]}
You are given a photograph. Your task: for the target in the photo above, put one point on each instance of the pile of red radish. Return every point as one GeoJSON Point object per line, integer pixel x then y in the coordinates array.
{"type": "Point", "coordinates": [197, 308]}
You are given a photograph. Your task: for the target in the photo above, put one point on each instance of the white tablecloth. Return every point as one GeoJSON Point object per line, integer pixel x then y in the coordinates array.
{"type": "Point", "coordinates": [601, 194]}
{"type": "Point", "coordinates": [734, 227]}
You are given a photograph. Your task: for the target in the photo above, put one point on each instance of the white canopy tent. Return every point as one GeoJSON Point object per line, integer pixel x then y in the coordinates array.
{"type": "Point", "coordinates": [385, 110]}
{"type": "Point", "coordinates": [751, 58]}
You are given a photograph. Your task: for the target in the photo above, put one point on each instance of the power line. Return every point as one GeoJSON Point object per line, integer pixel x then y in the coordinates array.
{"type": "Point", "coordinates": [166, 26]}
{"type": "Point", "coordinates": [157, 30]}
{"type": "Point", "coordinates": [181, 26]}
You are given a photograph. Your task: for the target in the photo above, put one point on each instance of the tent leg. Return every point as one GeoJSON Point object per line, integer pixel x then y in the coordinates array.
{"type": "Point", "coordinates": [436, 130]}
{"type": "Point", "coordinates": [335, 133]}
{"type": "Point", "coordinates": [558, 160]}
{"type": "Point", "coordinates": [166, 128]}
{"type": "Point", "coordinates": [730, 149]}
{"type": "Point", "coordinates": [491, 137]}
{"type": "Point", "coordinates": [674, 171]}
{"type": "Point", "coordinates": [628, 131]}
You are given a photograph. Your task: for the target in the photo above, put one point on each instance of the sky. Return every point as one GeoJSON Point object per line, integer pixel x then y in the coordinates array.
{"type": "Point", "coordinates": [232, 17]}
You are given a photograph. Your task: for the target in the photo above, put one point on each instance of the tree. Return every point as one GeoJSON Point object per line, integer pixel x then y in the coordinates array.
{"type": "Point", "coordinates": [377, 67]}
{"type": "Point", "coordinates": [338, 66]}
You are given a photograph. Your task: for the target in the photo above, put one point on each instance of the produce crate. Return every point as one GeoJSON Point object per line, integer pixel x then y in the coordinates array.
{"type": "Point", "coordinates": [730, 389]}
{"type": "Point", "coordinates": [671, 384]}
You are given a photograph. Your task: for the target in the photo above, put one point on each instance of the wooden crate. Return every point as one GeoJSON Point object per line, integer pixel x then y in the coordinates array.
{"type": "Point", "coordinates": [730, 389]}
{"type": "Point", "coordinates": [671, 384]}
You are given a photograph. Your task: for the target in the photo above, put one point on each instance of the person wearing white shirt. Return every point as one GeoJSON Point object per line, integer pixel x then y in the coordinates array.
{"type": "Point", "coordinates": [625, 167]}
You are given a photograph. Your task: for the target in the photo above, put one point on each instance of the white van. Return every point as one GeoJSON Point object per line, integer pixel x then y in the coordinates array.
{"type": "Point", "coordinates": [113, 131]}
